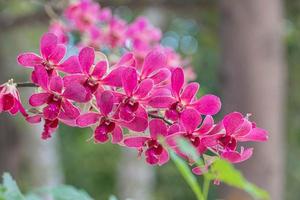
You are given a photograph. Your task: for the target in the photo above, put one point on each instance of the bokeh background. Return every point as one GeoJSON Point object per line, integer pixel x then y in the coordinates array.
{"type": "Point", "coordinates": [248, 52]}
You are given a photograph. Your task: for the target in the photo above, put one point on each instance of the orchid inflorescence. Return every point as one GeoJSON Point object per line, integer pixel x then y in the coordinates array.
{"type": "Point", "coordinates": [137, 86]}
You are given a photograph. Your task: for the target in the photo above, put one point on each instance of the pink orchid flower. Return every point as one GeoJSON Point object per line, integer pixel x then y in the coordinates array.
{"type": "Point", "coordinates": [10, 99]}
{"type": "Point", "coordinates": [52, 54]}
{"type": "Point", "coordinates": [91, 76]}
{"type": "Point", "coordinates": [143, 35]}
{"type": "Point", "coordinates": [233, 129]}
{"type": "Point", "coordinates": [106, 122]}
{"type": "Point", "coordinates": [83, 14]}
{"type": "Point", "coordinates": [183, 98]}
{"type": "Point", "coordinates": [193, 128]}
{"type": "Point", "coordinates": [154, 151]}
{"type": "Point", "coordinates": [53, 99]}
{"type": "Point", "coordinates": [135, 94]}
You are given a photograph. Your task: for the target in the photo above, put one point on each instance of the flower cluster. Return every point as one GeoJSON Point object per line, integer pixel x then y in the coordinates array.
{"type": "Point", "coordinates": [140, 91]}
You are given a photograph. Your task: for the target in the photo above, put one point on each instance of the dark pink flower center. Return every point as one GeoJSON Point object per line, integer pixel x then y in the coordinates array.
{"type": "Point", "coordinates": [130, 104]}
{"type": "Point", "coordinates": [154, 146]}
{"type": "Point", "coordinates": [228, 142]}
{"type": "Point", "coordinates": [195, 140]}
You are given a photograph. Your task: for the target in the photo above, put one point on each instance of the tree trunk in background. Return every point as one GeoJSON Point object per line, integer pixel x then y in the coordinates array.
{"type": "Point", "coordinates": [253, 75]}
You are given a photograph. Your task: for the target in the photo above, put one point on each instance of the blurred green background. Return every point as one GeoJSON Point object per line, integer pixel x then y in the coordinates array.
{"type": "Point", "coordinates": [192, 29]}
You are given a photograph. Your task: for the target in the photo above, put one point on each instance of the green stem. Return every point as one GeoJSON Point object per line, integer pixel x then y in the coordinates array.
{"type": "Point", "coordinates": [188, 176]}
{"type": "Point", "coordinates": [206, 184]}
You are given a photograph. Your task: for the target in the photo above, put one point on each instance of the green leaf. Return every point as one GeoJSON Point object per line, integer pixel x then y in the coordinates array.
{"type": "Point", "coordinates": [187, 175]}
{"type": "Point", "coordinates": [225, 172]}
{"type": "Point", "coordinates": [12, 191]}
{"type": "Point", "coordinates": [69, 193]}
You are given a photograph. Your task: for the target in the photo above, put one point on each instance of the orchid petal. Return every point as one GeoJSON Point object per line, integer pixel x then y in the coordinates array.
{"type": "Point", "coordinates": [71, 111]}
{"type": "Point", "coordinates": [100, 69]}
{"type": "Point", "coordinates": [38, 99]}
{"type": "Point", "coordinates": [129, 80]}
{"type": "Point", "coordinates": [56, 84]}
{"type": "Point", "coordinates": [117, 135]}
{"type": "Point", "coordinates": [153, 61]}
{"type": "Point", "coordinates": [105, 102]}
{"type": "Point", "coordinates": [87, 119]}
{"type": "Point", "coordinates": [29, 59]}
{"type": "Point", "coordinates": [135, 141]}
{"type": "Point", "coordinates": [114, 78]}
{"type": "Point", "coordinates": [208, 105]}
{"type": "Point", "coordinates": [177, 80]}
{"type": "Point", "coordinates": [189, 92]}
{"type": "Point", "coordinates": [190, 119]}
{"type": "Point", "coordinates": [86, 58]}
{"type": "Point", "coordinates": [70, 65]}
{"type": "Point", "coordinates": [157, 128]}
{"type": "Point", "coordinates": [232, 121]}
{"type": "Point", "coordinates": [48, 44]}
{"type": "Point", "coordinates": [58, 54]}
{"type": "Point", "coordinates": [144, 88]}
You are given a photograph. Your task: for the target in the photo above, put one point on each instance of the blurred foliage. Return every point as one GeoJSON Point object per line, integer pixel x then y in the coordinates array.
{"type": "Point", "coordinates": [293, 114]}
{"type": "Point", "coordinates": [9, 190]}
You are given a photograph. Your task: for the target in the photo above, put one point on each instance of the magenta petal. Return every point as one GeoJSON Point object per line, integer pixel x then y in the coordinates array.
{"type": "Point", "coordinates": [127, 60]}
{"type": "Point", "coordinates": [34, 119]}
{"type": "Point", "coordinates": [189, 92]}
{"type": "Point", "coordinates": [153, 61]}
{"type": "Point", "coordinates": [236, 157]}
{"type": "Point", "coordinates": [71, 111]}
{"type": "Point", "coordinates": [135, 141]}
{"type": "Point", "coordinates": [69, 80]}
{"type": "Point", "coordinates": [56, 84]}
{"type": "Point", "coordinates": [161, 102]}
{"type": "Point", "coordinates": [126, 115]}
{"type": "Point", "coordinates": [48, 44]}
{"type": "Point", "coordinates": [161, 76]}
{"type": "Point", "coordinates": [51, 111]}
{"type": "Point", "coordinates": [211, 140]}
{"type": "Point", "coordinates": [129, 80]}
{"type": "Point", "coordinates": [117, 135]}
{"type": "Point", "coordinates": [77, 92]}
{"type": "Point", "coordinates": [157, 128]}
{"type": "Point", "coordinates": [38, 99]}
{"type": "Point", "coordinates": [58, 54]}
{"type": "Point", "coordinates": [29, 59]}
{"type": "Point", "coordinates": [138, 124]}
{"type": "Point", "coordinates": [100, 69]}
{"type": "Point", "coordinates": [232, 121]}
{"type": "Point", "coordinates": [190, 119]}
{"type": "Point", "coordinates": [244, 128]}
{"type": "Point", "coordinates": [164, 157]}
{"type": "Point", "coordinates": [86, 58]}
{"type": "Point", "coordinates": [114, 78]}
{"type": "Point", "coordinates": [144, 88]}
{"type": "Point", "coordinates": [100, 134]}
{"type": "Point", "coordinates": [105, 102]}
{"type": "Point", "coordinates": [206, 125]}
{"type": "Point", "coordinates": [256, 135]}
{"type": "Point", "coordinates": [41, 76]}
{"type": "Point", "coordinates": [71, 65]}
{"type": "Point", "coordinates": [208, 105]}
{"type": "Point", "coordinates": [87, 119]}
{"type": "Point", "coordinates": [177, 80]}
